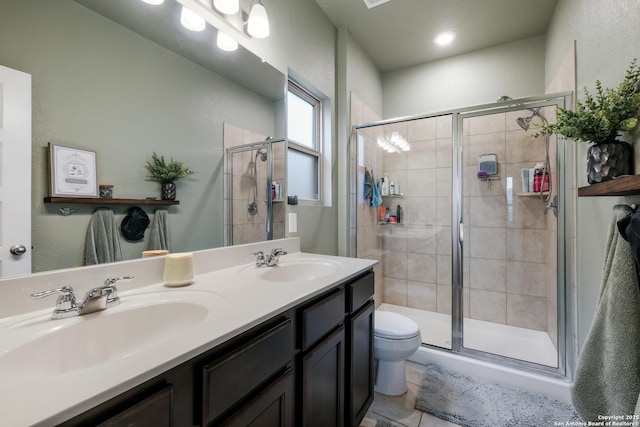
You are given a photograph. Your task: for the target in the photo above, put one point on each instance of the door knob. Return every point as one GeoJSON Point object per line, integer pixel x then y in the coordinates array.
{"type": "Point", "coordinates": [17, 249]}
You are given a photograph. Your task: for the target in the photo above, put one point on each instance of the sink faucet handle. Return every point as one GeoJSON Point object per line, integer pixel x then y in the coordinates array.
{"type": "Point", "coordinates": [278, 252]}
{"type": "Point", "coordinates": [66, 299]}
{"type": "Point", "coordinates": [112, 280]}
{"type": "Point", "coordinates": [260, 258]}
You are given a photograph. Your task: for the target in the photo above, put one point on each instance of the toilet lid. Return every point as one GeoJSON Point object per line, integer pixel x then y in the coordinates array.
{"type": "Point", "coordinates": [394, 326]}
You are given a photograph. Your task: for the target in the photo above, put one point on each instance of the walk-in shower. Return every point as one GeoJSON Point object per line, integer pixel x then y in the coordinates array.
{"type": "Point", "coordinates": [478, 265]}
{"type": "Point", "coordinates": [252, 170]}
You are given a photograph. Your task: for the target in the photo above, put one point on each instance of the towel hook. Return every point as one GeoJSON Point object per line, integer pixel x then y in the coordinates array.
{"type": "Point", "coordinates": [66, 211]}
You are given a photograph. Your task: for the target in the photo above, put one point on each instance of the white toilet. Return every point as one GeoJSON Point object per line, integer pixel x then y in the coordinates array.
{"type": "Point", "coordinates": [396, 337]}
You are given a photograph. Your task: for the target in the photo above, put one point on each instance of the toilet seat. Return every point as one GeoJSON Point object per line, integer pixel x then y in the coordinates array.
{"type": "Point", "coordinates": [394, 326]}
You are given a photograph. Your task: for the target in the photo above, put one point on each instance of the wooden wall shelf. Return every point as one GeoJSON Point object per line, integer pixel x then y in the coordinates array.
{"type": "Point", "coordinates": [624, 186]}
{"type": "Point", "coordinates": [105, 201]}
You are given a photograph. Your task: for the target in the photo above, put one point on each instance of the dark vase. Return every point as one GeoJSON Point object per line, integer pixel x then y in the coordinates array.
{"type": "Point", "coordinates": [168, 190]}
{"type": "Point", "coordinates": [609, 159]}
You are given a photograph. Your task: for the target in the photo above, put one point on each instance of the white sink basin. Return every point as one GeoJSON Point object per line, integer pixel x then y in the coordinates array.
{"type": "Point", "coordinates": [292, 271]}
{"type": "Point", "coordinates": [55, 347]}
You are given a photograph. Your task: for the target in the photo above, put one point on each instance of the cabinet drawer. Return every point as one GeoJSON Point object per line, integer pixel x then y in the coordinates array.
{"type": "Point", "coordinates": [360, 291]}
{"type": "Point", "coordinates": [322, 317]}
{"type": "Point", "coordinates": [154, 411]}
{"type": "Point", "coordinates": [228, 380]}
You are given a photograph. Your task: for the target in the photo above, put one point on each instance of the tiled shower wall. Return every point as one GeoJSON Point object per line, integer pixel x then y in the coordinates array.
{"type": "Point", "coordinates": [509, 264]}
{"type": "Point", "coordinates": [251, 228]}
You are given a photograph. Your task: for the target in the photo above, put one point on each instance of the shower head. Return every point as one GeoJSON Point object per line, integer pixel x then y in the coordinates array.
{"type": "Point", "coordinates": [524, 122]}
{"type": "Point", "coordinates": [263, 155]}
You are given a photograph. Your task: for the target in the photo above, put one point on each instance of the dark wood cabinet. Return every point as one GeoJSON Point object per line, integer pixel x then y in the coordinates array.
{"type": "Point", "coordinates": [323, 383]}
{"type": "Point", "coordinates": [360, 364]}
{"type": "Point", "coordinates": [154, 411]}
{"type": "Point", "coordinates": [309, 366]}
{"type": "Point", "coordinates": [273, 407]}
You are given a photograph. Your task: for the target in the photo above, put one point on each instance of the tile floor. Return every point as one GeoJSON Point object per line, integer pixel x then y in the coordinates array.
{"type": "Point", "coordinates": [400, 410]}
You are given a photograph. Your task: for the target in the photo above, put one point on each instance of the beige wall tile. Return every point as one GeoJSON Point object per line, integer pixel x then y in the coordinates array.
{"type": "Point", "coordinates": [488, 274]}
{"type": "Point", "coordinates": [487, 243]}
{"type": "Point", "coordinates": [487, 124]}
{"type": "Point", "coordinates": [443, 268]}
{"type": "Point", "coordinates": [443, 216]}
{"type": "Point", "coordinates": [422, 239]}
{"type": "Point", "coordinates": [420, 211]}
{"type": "Point", "coordinates": [421, 267]}
{"type": "Point", "coordinates": [423, 296]}
{"type": "Point", "coordinates": [444, 126]}
{"type": "Point", "coordinates": [422, 183]}
{"type": "Point", "coordinates": [423, 155]}
{"type": "Point", "coordinates": [394, 291]}
{"type": "Point", "coordinates": [444, 180]}
{"type": "Point", "coordinates": [526, 245]}
{"type": "Point", "coordinates": [490, 211]}
{"type": "Point", "coordinates": [487, 305]}
{"type": "Point", "coordinates": [527, 312]}
{"type": "Point", "coordinates": [444, 153]}
{"type": "Point", "coordinates": [394, 264]}
{"type": "Point", "coordinates": [526, 278]}
{"type": "Point", "coordinates": [394, 162]}
{"type": "Point", "coordinates": [443, 240]}
{"type": "Point", "coordinates": [489, 143]}
{"type": "Point", "coordinates": [394, 238]}
{"type": "Point", "coordinates": [521, 150]}
{"type": "Point", "coordinates": [422, 129]}
{"type": "Point", "coordinates": [444, 299]}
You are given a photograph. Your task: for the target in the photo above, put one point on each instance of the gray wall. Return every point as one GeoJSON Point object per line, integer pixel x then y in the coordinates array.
{"type": "Point", "coordinates": [99, 86]}
{"type": "Point", "coordinates": [606, 42]}
{"type": "Point", "coordinates": [515, 69]}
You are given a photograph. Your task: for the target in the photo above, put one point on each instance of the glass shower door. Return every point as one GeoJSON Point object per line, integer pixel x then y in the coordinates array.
{"type": "Point", "coordinates": [510, 251]}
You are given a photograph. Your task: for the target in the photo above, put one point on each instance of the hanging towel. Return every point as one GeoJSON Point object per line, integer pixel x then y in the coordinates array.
{"type": "Point", "coordinates": [103, 241]}
{"type": "Point", "coordinates": [608, 373]}
{"type": "Point", "coordinates": [376, 200]}
{"type": "Point", "coordinates": [368, 189]}
{"type": "Point", "coordinates": [160, 235]}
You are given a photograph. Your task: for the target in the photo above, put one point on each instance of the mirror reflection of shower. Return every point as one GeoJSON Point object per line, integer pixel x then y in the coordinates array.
{"type": "Point", "coordinates": [524, 123]}
{"type": "Point", "coordinates": [252, 207]}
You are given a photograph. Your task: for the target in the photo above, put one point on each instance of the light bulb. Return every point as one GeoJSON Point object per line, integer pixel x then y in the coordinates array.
{"type": "Point", "coordinates": [444, 38]}
{"type": "Point", "coordinates": [189, 19]}
{"type": "Point", "coordinates": [258, 25]}
{"type": "Point", "coordinates": [154, 2]}
{"type": "Point", "coordinates": [228, 7]}
{"type": "Point", "coordinates": [225, 42]}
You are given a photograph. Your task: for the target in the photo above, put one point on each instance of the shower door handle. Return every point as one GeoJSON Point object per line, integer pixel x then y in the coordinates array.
{"type": "Point", "coordinates": [461, 232]}
{"type": "Point", "coordinates": [267, 226]}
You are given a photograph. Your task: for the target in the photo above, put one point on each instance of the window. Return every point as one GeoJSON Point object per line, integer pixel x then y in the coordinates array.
{"type": "Point", "coordinates": [303, 133]}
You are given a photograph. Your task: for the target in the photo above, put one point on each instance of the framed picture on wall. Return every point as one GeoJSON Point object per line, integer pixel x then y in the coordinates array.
{"type": "Point", "coordinates": [72, 172]}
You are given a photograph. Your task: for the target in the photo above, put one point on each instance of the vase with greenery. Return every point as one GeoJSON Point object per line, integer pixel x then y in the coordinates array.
{"type": "Point", "coordinates": [599, 119]}
{"type": "Point", "coordinates": [166, 173]}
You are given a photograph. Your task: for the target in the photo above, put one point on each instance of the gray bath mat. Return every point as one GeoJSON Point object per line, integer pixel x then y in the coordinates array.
{"type": "Point", "coordinates": [471, 402]}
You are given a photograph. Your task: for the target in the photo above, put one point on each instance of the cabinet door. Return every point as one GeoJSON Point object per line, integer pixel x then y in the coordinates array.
{"type": "Point", "coordinates": [360, 373]}
{"type": "Point", "coordinates": [154, 411]}
{"type": "Point", "coordinates": [273, 407]}
{"type": "Point", "coordinates": [323, 383]}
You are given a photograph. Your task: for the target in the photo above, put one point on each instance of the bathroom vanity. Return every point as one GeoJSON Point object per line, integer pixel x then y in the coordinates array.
{"type": "Point", "coordinates": [290, 345]}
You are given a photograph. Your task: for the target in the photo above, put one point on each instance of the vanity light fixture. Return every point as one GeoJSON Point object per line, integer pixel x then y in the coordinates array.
{"type": "Point", "coordinates": [393, 142]}
{"type": "Point", "coordinates": [225, 42]}
{"type": "Point", "coordinates": [154, 2]}
{"type": "Point", "coordinates": [189, 19]}
{"type": "Point", "coordinates": [258, 25]}
{"type": "Point", "coordinates": [444, 38]}
{"type": "Point", "coordinates": [228, 7]}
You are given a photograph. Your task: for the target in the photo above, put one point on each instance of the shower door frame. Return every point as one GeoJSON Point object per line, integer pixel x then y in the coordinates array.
{"type": "Point", "coordinates": [566, 344]}
{"type": "Point", "coordinates": [268, 145]}
{"type": "Point", "coordinates": [566, 172]}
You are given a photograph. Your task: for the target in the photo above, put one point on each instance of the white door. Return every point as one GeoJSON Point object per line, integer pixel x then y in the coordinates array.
{"type": "Point", "coordinates": [15, 172]}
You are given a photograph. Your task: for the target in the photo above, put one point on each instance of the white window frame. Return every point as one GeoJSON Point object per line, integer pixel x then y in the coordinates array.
{"type": "Point", "coordinates": [315, 151]}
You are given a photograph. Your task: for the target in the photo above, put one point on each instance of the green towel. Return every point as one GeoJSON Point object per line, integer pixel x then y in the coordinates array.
{"type": "Point", "coordinates": [160, 235]}
{"type": "Point", "coordinates": [103, 239]}
{"type": "Point", "coordinates": [607, 379]}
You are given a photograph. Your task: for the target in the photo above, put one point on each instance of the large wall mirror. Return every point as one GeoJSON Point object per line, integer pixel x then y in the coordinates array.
{"type": "Point", "coordinates": [125, 79]}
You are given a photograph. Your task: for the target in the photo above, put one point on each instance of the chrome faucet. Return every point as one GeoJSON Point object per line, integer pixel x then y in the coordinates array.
{"type": "Point", "coordinates": [99, 298]}
{"type": "Point", "coordinates": [268, 260]}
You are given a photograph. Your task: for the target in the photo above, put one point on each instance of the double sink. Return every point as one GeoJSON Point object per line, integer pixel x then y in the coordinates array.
{"type": "Point", "coordinates": [34, 346]}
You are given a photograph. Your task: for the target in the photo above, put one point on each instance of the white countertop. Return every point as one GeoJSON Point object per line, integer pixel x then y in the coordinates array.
{"type": "Point", "coordinates": [42, 391]}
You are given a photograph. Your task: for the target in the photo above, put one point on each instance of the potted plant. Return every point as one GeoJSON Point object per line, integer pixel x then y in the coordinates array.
{"type": "Point", "coordinates": [599, 119]}
{"type": "Point", "coordinates": [166, 174]}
